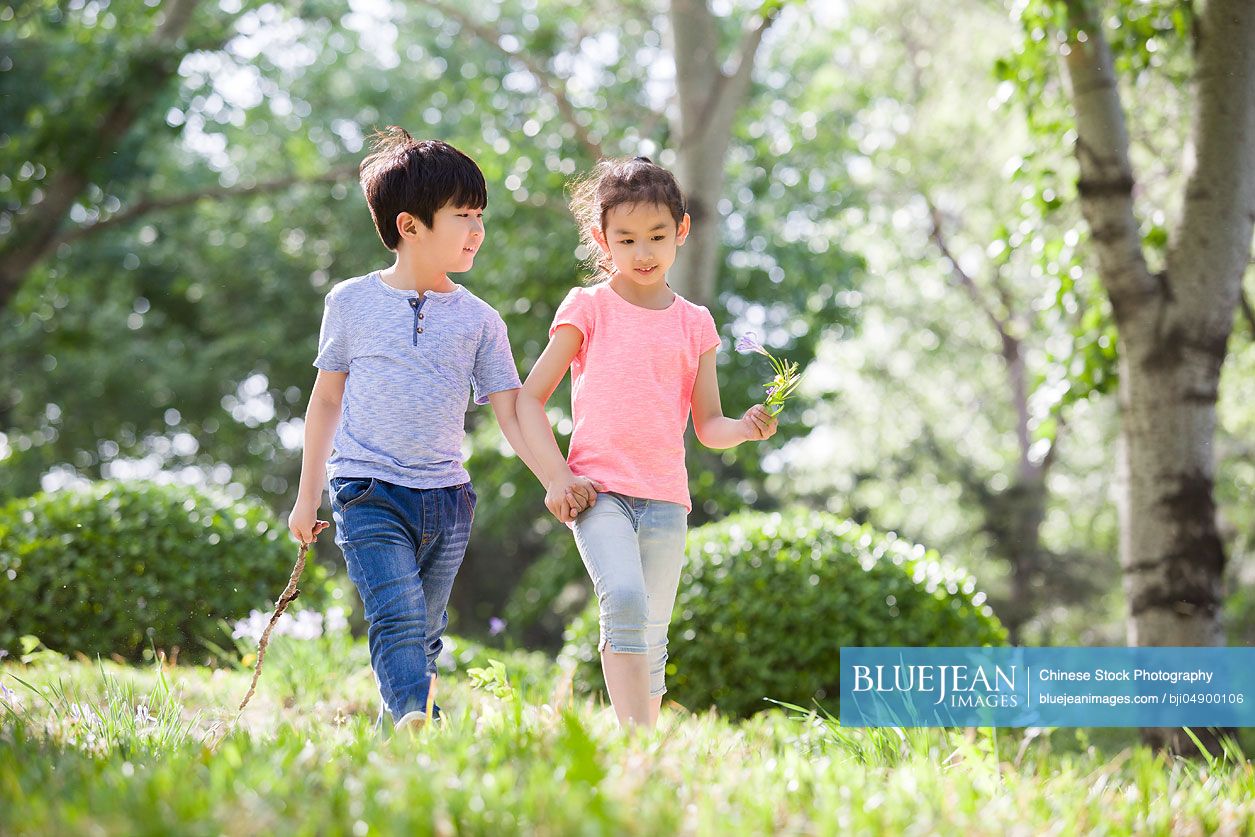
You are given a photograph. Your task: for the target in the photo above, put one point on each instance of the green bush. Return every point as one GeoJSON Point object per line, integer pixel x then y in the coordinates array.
{"type": "Point", "coordinates": [112, 567]}
{"type": "Point", "coordinates": [767, 600]}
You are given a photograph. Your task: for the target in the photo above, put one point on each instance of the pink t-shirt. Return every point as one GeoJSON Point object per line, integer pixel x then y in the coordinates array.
{"type": "Point", "coordinates": [632, 389]}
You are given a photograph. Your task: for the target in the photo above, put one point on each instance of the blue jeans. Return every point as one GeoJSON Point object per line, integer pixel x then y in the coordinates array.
{"type": "Point", "coordinates": [403, 547]}
{"type": "Point", "coordinates": [633, 550]}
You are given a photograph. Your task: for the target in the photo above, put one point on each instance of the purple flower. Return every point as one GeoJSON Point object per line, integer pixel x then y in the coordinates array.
{"type": "Point", "coordinates": [749, 343]}
{"type": "Point", "coordinates": [771, 391]}
{"type": "Point", "coordinates": [495, 626]}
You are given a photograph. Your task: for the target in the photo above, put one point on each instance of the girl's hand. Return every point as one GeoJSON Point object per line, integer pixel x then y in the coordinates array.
{"type": "Point", "coordinates": [567, 496]}
{"type": "Point", "coordinates": [759, 424]}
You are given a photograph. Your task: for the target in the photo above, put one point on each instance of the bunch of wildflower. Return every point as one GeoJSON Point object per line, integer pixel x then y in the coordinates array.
{"type": "Point", "coordinates": [785, 381]}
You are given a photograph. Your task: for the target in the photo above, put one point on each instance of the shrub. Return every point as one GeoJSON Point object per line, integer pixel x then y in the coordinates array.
{"type": "Point", "coordinates": [112, 567]}
{"type": "Point", "coordinates": [767, 600]}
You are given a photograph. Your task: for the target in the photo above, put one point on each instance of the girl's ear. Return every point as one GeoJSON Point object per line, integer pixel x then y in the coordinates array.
{"type": "Point", "coordinates": [600, 237]}
{"type": "Point", "coordinates": [682, 230]}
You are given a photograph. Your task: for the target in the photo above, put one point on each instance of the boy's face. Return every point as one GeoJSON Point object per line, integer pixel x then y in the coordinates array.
{"type": "Point", "coordinates": [641, 239]}
{"type": "Point", "coordinates": [456, 234]}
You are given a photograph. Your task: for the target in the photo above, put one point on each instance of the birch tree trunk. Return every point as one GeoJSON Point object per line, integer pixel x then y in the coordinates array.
{"type": "Point", "coordinates": [1174, 327]}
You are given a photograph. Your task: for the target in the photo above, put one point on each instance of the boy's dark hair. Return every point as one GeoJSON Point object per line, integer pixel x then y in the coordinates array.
{"type": "Point", "coordinates": [402, 174]}
{"type": "Point", "coordinates": [616, 182]}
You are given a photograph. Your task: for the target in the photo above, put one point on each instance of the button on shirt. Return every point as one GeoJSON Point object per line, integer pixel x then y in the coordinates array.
{"type": "Point", "coordinates": [413, 362]}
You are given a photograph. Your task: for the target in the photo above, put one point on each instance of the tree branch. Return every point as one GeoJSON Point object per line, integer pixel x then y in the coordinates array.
{"type": "Point", "coordinates": [35, 228]}
{"type": "Point", "coordinates": [735, 87]}
{"type": "Point", "coordinates": [552, 84]}
{"type": "Point", "coordinates": [1102, 150]}
{"type": "Point", "coordinates": [1247, 311]}
{"type": "Point", "coordinates": [1212, 245]}
{"type": "Point", "coordinates": [1012, 354]}
{"type": "Point", "coordinates": [961, 276]}
{"type": "Point", "coordinates": [728, 91]}
{"type": "Point", "coordinates": [152, 204]}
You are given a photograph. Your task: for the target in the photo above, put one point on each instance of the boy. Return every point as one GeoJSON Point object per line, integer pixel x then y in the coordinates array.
{"type": "Point", "coordinates": [400, 351]}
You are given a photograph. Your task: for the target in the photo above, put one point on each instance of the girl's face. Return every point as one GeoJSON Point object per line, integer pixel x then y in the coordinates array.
{"type": "Point", "coordinates": [641, 240]}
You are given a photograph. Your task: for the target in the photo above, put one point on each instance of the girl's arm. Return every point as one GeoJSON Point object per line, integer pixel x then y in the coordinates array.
{"type": "Point", "coordinates": [544, 378]}
{"type": "Point", "coordinates": [714, 429]}
{"type": "Point", "coordinates": [505, 408]}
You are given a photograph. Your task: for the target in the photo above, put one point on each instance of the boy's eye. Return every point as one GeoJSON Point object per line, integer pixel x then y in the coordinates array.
{"type": "Point", "coordinates": [659, 237]}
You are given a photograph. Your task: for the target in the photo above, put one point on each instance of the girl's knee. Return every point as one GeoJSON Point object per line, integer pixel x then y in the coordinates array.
{"type": "Point", "coordinates": [624, 606]}
{"type": "Point", "coordinates": [623, 620]}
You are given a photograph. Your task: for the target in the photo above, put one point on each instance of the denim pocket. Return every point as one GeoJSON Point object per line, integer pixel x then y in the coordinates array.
{"type": "Point", "coordinates": [351, 491]}
{"type": "Point", "coordinates": [470, 498]}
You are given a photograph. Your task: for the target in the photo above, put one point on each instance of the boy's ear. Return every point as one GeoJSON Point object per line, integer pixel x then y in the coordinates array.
{"type": "Point", "coordinates": [599, 236]}
{"type": "Point", "coordinates": [682, 230]}
{"type": "Point", "coordinates": [407, 225]}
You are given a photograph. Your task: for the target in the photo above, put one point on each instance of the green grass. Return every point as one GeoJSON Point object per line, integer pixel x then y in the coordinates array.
{"type": "Point", "coordinates": [99, 748]}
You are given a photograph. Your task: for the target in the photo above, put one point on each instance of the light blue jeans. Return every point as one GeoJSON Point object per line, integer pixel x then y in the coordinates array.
{"type": "Point", "coordinates": [634, 551]}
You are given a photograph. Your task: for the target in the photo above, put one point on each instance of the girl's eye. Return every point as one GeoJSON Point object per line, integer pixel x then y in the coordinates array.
{"type": "Point", "coordinates": [626, 241]}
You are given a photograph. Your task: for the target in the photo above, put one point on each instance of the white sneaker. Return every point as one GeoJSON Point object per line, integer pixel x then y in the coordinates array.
{"type": "Point", "coordinates": [412, 722]}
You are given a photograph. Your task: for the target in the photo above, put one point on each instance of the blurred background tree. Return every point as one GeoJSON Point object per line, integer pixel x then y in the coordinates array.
{"type": "Point", "coordinates": [895, 208]}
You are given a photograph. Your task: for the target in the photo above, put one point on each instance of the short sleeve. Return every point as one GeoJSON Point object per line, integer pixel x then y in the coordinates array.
{"type": "Point", "coordinates": [576, 310]}
{"type": "Point", "coordinates": [707, 334]}
{"type": "Point", "coordinates": [333, 345]}
{"type": "Point", "coordinates": [494, 362]}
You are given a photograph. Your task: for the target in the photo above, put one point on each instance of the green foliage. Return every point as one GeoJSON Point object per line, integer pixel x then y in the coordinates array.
{"type": "Point", "coordinates": [322, 768]}
{"type": "Point", "coordinates": [767, 601]}
{"type": "Point", "coordinates": [118, 567]}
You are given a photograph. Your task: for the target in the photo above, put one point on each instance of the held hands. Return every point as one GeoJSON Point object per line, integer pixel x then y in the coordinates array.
{"type": "Point", "coordinates": [303, 522]}
{"type": "Point", "coordinates": [567, 496]}
{"type": "Point", "coordinates": [759, 424]}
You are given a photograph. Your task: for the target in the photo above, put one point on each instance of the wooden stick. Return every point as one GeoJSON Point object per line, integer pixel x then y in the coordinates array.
{"type": "Point", "coordinates": [289, 595]}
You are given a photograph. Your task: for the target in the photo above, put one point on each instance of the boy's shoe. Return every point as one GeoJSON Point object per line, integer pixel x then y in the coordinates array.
{"type": "Point", "coordinates": [415, 722]}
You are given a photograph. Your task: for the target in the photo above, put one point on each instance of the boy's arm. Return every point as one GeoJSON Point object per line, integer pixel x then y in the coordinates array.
{"type": "Point", "coordinates": [713, 428]}
{"type": "Point", "coordinates": [505, 409]}
{"type": "Point", "coordinates": [551, 468]}
{"type": "Point", "coordinates": [321, 420]}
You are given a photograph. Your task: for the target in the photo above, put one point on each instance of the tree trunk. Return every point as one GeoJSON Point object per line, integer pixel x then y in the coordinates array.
{"type": "Point", "coordinates": [709, 100]}
{"type": "Point", "coordinates": [1013, 519]}
{"type": "Point", "coordinates": [1173, 327]}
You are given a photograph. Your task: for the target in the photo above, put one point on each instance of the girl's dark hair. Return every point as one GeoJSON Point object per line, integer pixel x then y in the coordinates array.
{"type": "Point", "coordinates": [615, 182]}
{"type": "Point", "coordinates": [402, 174]}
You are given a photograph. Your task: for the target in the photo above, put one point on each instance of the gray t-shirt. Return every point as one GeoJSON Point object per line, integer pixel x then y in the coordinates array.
{"type": "Point", "coordinates": [413, 361]}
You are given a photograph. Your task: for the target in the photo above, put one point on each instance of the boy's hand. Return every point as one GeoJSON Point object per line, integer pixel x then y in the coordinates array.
{"type": "Point", "coordinates": [759, 424]}
{"type": "Point", "coordinates": [303, 522]}
{"type": "Point", "coordinates": [582, 494]}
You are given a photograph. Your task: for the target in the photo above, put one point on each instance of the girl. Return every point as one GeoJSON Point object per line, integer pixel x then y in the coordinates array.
{"type": "Point", "coordinates": [641, 357]}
